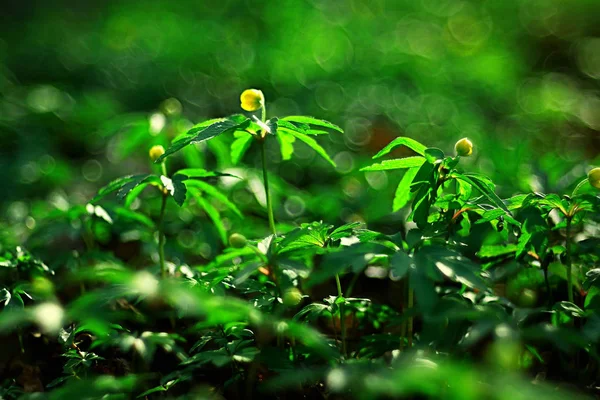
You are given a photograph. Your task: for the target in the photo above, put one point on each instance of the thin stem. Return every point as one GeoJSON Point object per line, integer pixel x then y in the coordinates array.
{"type": "Point", "coordinates": [159, 225]}
{"type": "Point", "coordinates": [161, 237]}
{"type": "Point", "coordinates": [266, 183]}
{"type": "Point", "coordinates": [568, 260]}
{"type": "Point", "coordinates": [350, 287]}
{"type": "Point", "coordinates": [342, 314]}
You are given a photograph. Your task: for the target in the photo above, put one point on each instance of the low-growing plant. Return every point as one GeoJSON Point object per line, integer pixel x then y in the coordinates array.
{"type": "Point", "coordinates": [474, 296]}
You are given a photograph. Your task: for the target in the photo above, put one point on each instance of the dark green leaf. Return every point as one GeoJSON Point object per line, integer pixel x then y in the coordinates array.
{"type": "Point", "coordinates": [200, 134]}
{"type": "Point", "coordinates": [313, 121]}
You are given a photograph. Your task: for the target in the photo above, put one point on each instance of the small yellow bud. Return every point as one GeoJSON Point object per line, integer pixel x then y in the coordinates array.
{"type": "Point", "coordinates": [464, 147]}
{"type": "Point", "coordinates": [292, 297]}
{"type": "Point", "coordinates": [594, 177]}
{"type": "Point", "coordinates": [156, 151]}
{"type": "Point", "coordinates": [252, 99]}
{"type": "Point", "coordinates": [237, 241]}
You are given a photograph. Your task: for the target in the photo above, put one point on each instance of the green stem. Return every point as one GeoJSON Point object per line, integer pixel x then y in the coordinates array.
{"type": "Point", "coordinates": [161, 237]}
{"type": "Point", "coordinates": [568, 260]}
{"type": "Point", "coordinates": [342, 314]}
{"type": "Point", "coordinates": [350, 287]}
{"type": "Point", "coordinates": [159, 225]}
{"type": "Point", "coordinates": [266, 183]}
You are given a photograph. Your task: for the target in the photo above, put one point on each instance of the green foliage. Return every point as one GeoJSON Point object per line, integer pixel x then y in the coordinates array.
{"type": "Point", "coordinates": [462, 295]}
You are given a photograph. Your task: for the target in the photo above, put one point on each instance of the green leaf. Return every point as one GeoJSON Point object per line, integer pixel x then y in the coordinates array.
{"type": "Point", "coordinates": [286, 143]}
{"type": "Point", "coordinates": [239, 147]}
{"type": "Point", "coordinates": [398, 163]}
{"type": "Point", "coordinates": [433, 154]}
{"type": "Point", "coordinates": [486, 187]}
{"type": "Point", "coordinates": [200, 134]}
{"type": "Point", "coordinates": [212, 213]}
{"type": "Point", "coordinates": [402, 141]}
{"type": "Point", "coordinates": [344, 230]}
{"type": "Point", "coordinates": [124, 213]}
{"type": "Point", "coordinates": [313, 121]}
{"type": "Point", "coordinates": [214, 192]}
{"type": "Point", "coordinates": [179, 189]}
{"type": "Point", "coordinates": [421, 205]}
{"type": "Point", "coordinates": [135, 193]}
{"type": "Point", "coordinates": [400, 263]}
{"type": "Point", "coordinates": [491, 215]}
{"type": "Point", "coordinates": [312, 143]}
{"type": "Point", "coordinates": [123, 185]}
{"type": "Point", "coordinates": [200, 173]}
{"type": "Point", "coordinates": [496, 250]}
{"type": "Point", "coordinates": [402, 196]}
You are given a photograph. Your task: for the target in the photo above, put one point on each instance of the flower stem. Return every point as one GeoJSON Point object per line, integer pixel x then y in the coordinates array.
{"type": "Point", "coordinates": [568, 260]}
{"type": "Point", "coordinates": [161, 234]}
{"type": "Point", "coordinates": [266, 183]}
{"type": "Point", "coordinates": [161, 237]}
{"type": "Point", "coordinates": [342, 314]}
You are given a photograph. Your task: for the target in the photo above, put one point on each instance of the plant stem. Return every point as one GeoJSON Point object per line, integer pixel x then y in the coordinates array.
{"type": "Point", "coordinates": [161, 237]}
{"type": "Point", "coordinates": [161, 234]}
{"type": "Point", "coordinates": [568, 260]}
{"type": "Point", "coordinates": [342, 314]}
{"type": "Point", "coordinates": [266, 183]}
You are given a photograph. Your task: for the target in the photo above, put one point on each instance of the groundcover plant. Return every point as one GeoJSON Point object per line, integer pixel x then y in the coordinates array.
{"type": "Point", "coordinates": [471, 297]}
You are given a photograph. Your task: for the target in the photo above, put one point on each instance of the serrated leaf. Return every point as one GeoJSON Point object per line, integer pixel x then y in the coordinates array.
{"type": "Point", "coordinates": [344, 230]}
{"type": "Point", "coordinates": [313, 121]}
{"type": "Point", "coordinates": [200, 173]}
{"type": "Point", "coordinates": [312, 143]}
{"type": "Point", "coordinates": [485, 187]}
{"type": "Point", "coordinates": [214, 192]}
{"type": "Point", "coordinates": [135, 193]}
{"type": "Point", "coordinates": [200, 134]}
{"type": "Point", "coordinates": [402, 141]}
{"type": "Point", "coordinates": [398, 163]}
{"type": "Point", "coordinates": [122, 185]}
{"type": "Point", "coordinates": [402, 196]}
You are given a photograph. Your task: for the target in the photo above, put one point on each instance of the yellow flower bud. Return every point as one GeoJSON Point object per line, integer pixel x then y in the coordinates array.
{"type": "Point", "coordinates": [252, 99]}
{"type": "Point", "coordinates": [156, 151]}
{"type": "Point", "coordinates": [237, 241]}
{"type": "Point", "coordinates": [464, 147]}
{"type": "Point", "coordinates": [594, 177]}
{"type": "Point", "coordinates": [292, 297]}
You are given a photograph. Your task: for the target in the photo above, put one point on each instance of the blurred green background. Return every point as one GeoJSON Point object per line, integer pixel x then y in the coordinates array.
{"type": "Point", "coordinates": [86, 88]}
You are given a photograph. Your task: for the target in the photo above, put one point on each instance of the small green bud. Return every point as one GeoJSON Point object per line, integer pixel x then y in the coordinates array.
{"type": "Point", "coordinates": [237, 241]}
{"type": "Point", "coordinates": [594, 177]}
{"type": "Point", "coordinates": [292, 297]}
